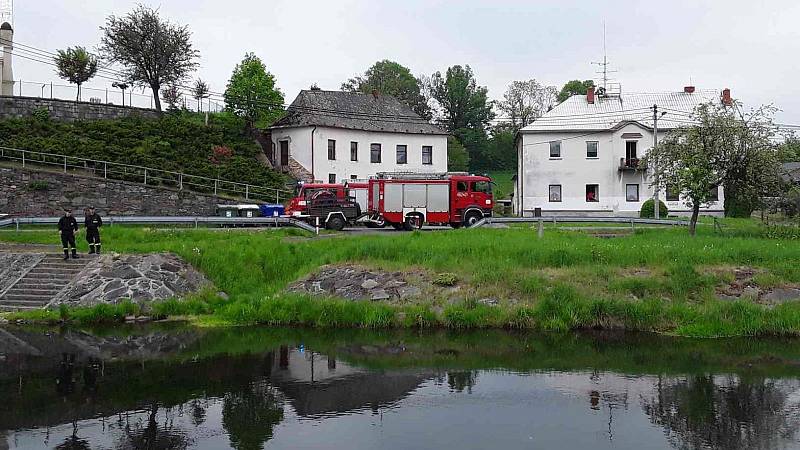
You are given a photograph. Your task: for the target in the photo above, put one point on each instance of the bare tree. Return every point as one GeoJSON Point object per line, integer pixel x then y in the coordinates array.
{"type": "Point", "coordinates": [525, 101]}
{"type": "Point", "coordinates": [153, 52]}
{"type": "Point", "coordinates": [173, 96]}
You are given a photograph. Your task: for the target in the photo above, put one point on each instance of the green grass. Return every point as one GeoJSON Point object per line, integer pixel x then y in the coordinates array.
{"type": "Point", "coordinates": [656, 280]}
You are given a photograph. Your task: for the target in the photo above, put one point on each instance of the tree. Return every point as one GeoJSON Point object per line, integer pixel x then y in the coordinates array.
{"type": "Point", "coordinates": [722, 149]}
{"type": "Point", "coordinates": [790, 149]}
{"type": "Point", "coordinates": [457, 157]}
{"type": "Point", "coordinates": [251, 93]}
{"type": "Point", "coordinates": [574, 87]}
{"type": "Point", "coordinates": [199, 92]}
{"type": "Point", "coordinates": [76, 65]}
{"type": "Point", "coordinates": [152, 51]}
{"type": "Point", "coordinates": [525, 101]}
{"type": "Point", "coordinates": [462, 103]}
{"type": "Point", "coordinates": [173, 96]}
{"type": "Point", "coordinates": [501, 152]}
{"type": "Point", "coordinates": [464, 110]}
{"type": "Point", "coordinates": [391, 78]}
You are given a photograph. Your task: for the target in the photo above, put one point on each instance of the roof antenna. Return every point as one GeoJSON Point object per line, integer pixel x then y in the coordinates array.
{"type": "Point", "coordinates": [605, 63]}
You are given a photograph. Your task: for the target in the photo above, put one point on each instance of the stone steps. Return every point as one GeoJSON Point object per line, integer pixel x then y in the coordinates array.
{"type": "Point", "coordinates": [42, 283]}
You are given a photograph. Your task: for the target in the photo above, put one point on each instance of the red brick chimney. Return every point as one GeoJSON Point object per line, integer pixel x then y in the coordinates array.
{"type": "Point", "coordinates": [590, 95]}
{"type": "Point", "coordinates": [688, 89]}
{"type": "Point", "coordinates": [726, 97]}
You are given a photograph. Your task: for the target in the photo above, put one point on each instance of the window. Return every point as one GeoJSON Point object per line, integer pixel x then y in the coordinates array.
{"type": "Point", "coordinates": [673, 195]}
{"type": "Point", "coordinates": [402, 154]}
{"type": "Point", "coordinates": [354, 151]}
{"type": "Point", "coordinates": [331, 149]}
{"type": "Point", "coordinates": [375, 153]}
{"type": "Point", "coordinates": [591, 149]}
{"type": "Point", "coordinates": [331, 178]}
{"type": "Point", "coordinates": [592, 193]}
{"type": "Point", "coordinates": [427, 154]}
{"type": "Point", "coordinates": [284, 153]}
{"type": "Point", "coordinates": [630, 154]}
{"type": "Point", "coordinates": [482, 186]}
{"type": "Point", "coordinates": [461, 186]}
{"type": "Point", "coordinates": [631, 192]}
{"type": "Point", "coordinates": [555, 192]}
{"type": "Point", "coordinates": [555, 149]}
{"type": "Point", "coordinates": [353, 177]}
{"type": "Point", "coordinates": [713, 194]}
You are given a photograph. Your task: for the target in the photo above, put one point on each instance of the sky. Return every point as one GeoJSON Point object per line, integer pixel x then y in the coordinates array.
{"type": "Point", "coordinates": [749, 46]}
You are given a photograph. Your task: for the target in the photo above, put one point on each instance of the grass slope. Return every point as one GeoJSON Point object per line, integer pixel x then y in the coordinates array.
{"type": "Point", "coordinates": [657, 280]}
{"type": "Point", "coordinates": [175, 142]}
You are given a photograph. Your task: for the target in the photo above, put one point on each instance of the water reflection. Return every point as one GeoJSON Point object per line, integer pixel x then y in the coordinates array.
{"type": "Point", "coordinates": [165, 388]}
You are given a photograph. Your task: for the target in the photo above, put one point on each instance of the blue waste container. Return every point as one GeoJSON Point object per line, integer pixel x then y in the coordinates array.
{"type": "Point", "coordinates": [271, 210]}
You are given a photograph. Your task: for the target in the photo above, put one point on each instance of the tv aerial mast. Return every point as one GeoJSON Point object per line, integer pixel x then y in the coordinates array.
{"type": "Point", "coordinates": [7, 11]}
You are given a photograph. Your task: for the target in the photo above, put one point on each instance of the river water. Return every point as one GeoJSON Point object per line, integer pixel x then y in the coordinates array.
{"type": "Point", "coordinates": [171, 386]}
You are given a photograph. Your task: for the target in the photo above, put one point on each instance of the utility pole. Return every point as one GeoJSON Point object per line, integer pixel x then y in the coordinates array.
{"type": "Point", "coordinates": [656, 201]}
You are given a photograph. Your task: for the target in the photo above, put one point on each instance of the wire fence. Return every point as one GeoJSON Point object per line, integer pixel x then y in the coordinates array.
{"type": "Point", "coordinates": [145, 175]}
{"type": "Point", "coordinates": [135, 97]}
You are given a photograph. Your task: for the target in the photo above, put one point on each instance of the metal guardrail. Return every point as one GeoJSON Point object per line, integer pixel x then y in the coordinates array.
{"type": "Point", "coordinates": [146, 175]}
{"type": "Point", "coordinates": [567, 219]}
{"type": "Point", "coordinates": [169, 220]}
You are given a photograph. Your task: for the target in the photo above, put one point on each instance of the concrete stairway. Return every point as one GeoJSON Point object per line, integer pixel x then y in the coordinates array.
{"type": "Point", "coordinates": [42, 283]}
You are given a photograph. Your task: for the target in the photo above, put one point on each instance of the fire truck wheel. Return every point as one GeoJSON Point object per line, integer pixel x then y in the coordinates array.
{"type": "Point", "coordinates": [335, 223]}
{"type": "Point", "coordinates": [413, 222]}
{"type": "Point", "coordinates": [471, 218]}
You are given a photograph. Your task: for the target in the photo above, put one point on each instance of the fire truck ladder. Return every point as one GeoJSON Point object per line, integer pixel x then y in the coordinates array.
{"type": "Point", "coordinates": [416, 176]}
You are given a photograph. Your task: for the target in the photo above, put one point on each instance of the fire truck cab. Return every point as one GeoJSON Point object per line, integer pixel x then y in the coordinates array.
{"type": "Point", "coordinates": [299, 203]}
{"type": "Point", "coordinates": [408, 200]}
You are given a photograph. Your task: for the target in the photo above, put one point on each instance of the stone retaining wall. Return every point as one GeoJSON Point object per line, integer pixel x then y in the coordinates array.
{"type": "Point", "coordinates": [32, 193]}
{"type": "Point", "coordinates": [66, 110]}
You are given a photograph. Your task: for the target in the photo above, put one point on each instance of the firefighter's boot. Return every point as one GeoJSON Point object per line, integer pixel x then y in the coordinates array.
{"type": "Point", "coordinates": [66, 254]}
{"type": "Point", "coordinates": [97, 248]}
{"type": "Point", "coordinates": [91, 249]}
{"type": "Point", "coordinates": [74, 254]}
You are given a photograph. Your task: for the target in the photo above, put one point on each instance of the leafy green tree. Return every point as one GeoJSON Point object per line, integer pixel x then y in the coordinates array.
{"type": "Point", "coordinates": [251, 93]}
{"type": "Point", "coordinates": [389, 77]}
{"type": "Point", "coordinates": [200, 92]}
{"type": "Point", "coordinates": [457, 157]}
{"type": "Point", "coordinates": [76, 65]}
{"type": "Point", "coordinates": [501, 152]}
{"type": "Point", "coordinates": [574, 87]}
{"type": "Point", "coordinates": [152, 51]}
{"type": "Point", "coordinates": [789, 151]}
{"type": "Point", "coordinates": [525, 101]}
{"type": "Point", "coordinates": [722, 149]}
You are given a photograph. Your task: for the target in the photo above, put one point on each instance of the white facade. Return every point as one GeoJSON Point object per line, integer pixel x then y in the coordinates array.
{"type": "Point", "coordinates": [560, 183]}
{"type": "Point", "coordinates": [301, 141]}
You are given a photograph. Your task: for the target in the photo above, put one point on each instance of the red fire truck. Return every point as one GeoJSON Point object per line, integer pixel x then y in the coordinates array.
{"type": "Point", "coordinates": [350, 191]}
{"type": "Point", "coordinates": [408, 200]}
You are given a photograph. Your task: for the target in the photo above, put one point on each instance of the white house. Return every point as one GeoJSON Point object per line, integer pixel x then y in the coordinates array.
{"type": "Point", "coordinates": [331, 136]}
{"type": "Point", "coordinates": [582, 157]}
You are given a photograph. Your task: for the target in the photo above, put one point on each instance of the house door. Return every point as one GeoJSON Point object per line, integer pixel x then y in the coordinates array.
{"type": "Point", "coordinates": [284, 153]}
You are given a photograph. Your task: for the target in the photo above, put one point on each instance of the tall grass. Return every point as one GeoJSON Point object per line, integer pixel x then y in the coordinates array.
{"type": "Point", "coordinates": [563, 281]}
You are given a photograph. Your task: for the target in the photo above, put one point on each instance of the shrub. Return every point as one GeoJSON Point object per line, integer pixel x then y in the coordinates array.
{"type": "Point", "coordinates": [648, 212]}
{"type": "Point", "coordinates": [38, 186]}
{"type": "Point", "coordinates": [41, 114]}
{"type": "Point", "coordinates": [445, 279]}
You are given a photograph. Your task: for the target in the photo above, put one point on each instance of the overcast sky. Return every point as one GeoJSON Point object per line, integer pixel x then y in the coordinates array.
{"type": "Point", "coordinates": [749, 46]}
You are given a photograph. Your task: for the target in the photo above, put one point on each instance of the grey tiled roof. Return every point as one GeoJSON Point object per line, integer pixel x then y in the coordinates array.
{"type": "Point", "coordinates": [575, 113]}
{"type": "Point", "coordinates": [791, 172]}
{"type": "Point", "coordinates": [354, 111]}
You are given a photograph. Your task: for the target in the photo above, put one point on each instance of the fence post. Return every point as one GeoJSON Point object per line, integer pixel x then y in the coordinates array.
{"type": "Point", "coordinates": [16, 222]}
{"type": "Point", "coordinates": [316, 224]}
{"type": "Point", "coordinates": [65, 163]}
{"type": "Point", "coordinates": [23, 158]}
{"type": "Point", "coordinates": [277, 198]}
{"type": "Point", "coordinates": [633, 227]}
{"type": "Point", "coordinates": [145, 176]}
{"type": "Point", "coordinates": [105, 170]}
{"type": "Point", "coordinates": [540, 229]}
{"type": "Point", "coordinates": [51, 90]}
{"type": "Point", "coordinates": [195, 222]}
{"type": "Point", "coordinates": [247, 192]}
{"type": "Point", "coordinates": [215, 186]}
{"type": "Point", "coordinates": [180, 177]}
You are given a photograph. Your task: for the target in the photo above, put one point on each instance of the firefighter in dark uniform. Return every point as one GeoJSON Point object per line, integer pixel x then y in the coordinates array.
{"type": "Point", "coordinates": [93, 223]}
{"type": "Point", "coordinates": [67, 227]}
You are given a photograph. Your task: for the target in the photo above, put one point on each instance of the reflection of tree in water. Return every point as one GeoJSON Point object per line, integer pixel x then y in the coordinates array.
{"type": "Point", "coordinates": [249, 416]}
{"type": "Point", "coordinates": [74, 442]}
{"type": "Point", "coordinates": [153, 437]}
{"type": "Point", "coordinates": [198, 410]}
{"type": "Point", "coordinates": [724, 412]}
{"type": "Point", "coordinates": [458, 381]}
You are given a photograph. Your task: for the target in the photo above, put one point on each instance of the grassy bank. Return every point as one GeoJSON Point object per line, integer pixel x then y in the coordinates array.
{"type": "Point", "coordinates": [655, 280]}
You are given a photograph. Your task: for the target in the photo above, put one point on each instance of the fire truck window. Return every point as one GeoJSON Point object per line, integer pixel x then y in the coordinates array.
{"type": "Point", "coordinates": [481, 186]}
{"type": "Point", "coordinates": [461, 186]}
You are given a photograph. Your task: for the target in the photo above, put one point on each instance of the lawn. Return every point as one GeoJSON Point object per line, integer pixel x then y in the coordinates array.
{"type": "Point", "coordinates": [656, 279]}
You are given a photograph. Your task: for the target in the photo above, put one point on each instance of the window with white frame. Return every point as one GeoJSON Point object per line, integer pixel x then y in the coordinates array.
{"type": "Point", "coordinates": [353, 151]}
{"type": "Point", "coordinates": [402, 154]}
{"type": "Point", "coordinates": [427, 154]}
{"type": "Point", "coordinates": [375, 153]}
{"type": "Point", "coordinates": [555, 149]}
{"type": "Point", "coordinates": [555, 193]}
{"type": "Point", "coordinates": [631, 192]}
{"type": "Point", "coordinates": [331, 149]}
{"type": "Point", "coordinates": [591, 149]}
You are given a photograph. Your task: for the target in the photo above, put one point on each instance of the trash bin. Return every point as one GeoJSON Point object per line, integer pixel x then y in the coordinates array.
{"type": "Point", "coordinates": [272, 210]}
{"type": "Point", "coordinates": [249, 211]}
{"type": "Point", "coordinates": [227, 210]}
{"type": "Point", "coordinates": [537, 212]}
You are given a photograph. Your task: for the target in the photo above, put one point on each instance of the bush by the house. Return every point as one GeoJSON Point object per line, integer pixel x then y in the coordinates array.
{"type": "Point", "coordinates": [648, 212]}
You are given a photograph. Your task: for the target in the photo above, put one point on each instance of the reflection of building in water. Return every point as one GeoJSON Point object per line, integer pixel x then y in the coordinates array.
{"type": "Point", "coordinates": [317, 384]}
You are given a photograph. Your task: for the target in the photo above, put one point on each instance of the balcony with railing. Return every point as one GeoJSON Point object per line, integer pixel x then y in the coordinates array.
{"type": "Point", "coordinates": [631, 165]}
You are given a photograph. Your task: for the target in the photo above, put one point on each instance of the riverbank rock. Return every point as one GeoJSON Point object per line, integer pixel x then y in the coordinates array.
{"type": "Point", "coordinates": [744, 287]}
{"type": "Point", "coordinates": [113, 278]}
{"type": "Point", "coordinates": [355, 282]}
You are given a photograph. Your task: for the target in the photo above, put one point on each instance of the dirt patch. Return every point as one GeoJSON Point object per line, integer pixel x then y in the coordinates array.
{"type": "Point", "coordinates": [743, 285]}
{"type": "Point", "coordinates": [355, 282]}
